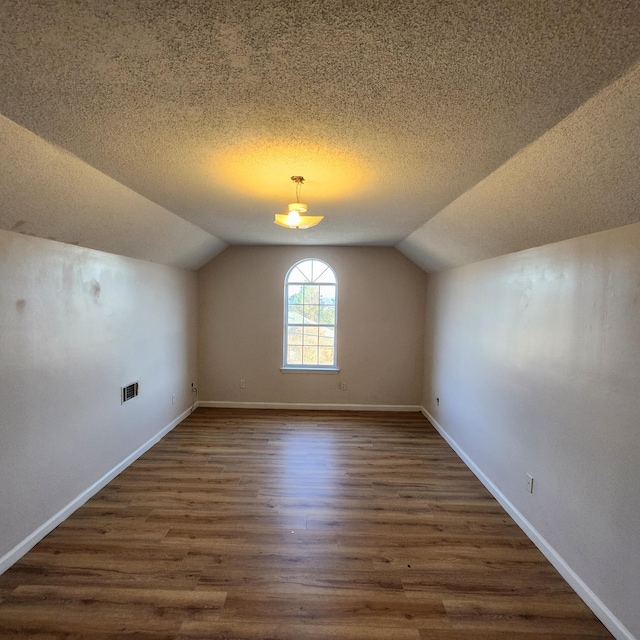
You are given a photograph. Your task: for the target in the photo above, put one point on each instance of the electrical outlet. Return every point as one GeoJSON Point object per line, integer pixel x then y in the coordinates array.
{"type": "Point", "coordinates": [243, 384]}
{"type": "Point", "coordinates": [343, 386]}
{"type": "Point", "coordinates": [173, 399]}
{"type": "Point", "coordinates": [529, 483]}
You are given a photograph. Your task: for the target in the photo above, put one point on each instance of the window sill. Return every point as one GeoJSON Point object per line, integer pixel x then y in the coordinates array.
{"type": "Point", "coordinates": [309, 370]}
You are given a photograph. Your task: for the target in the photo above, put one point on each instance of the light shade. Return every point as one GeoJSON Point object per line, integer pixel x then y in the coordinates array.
{"type": "Point", "coordinates": [298, 207]}
{"type": "Point", "coordinates": [293, 220]}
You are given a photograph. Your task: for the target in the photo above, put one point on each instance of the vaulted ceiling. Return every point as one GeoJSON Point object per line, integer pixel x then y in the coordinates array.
{"type": "Point", "coordinates": [455, 130]}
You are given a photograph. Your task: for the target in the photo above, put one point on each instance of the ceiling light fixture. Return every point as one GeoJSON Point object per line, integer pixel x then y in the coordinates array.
{"type": "Point", "coordinates": [294, 219]}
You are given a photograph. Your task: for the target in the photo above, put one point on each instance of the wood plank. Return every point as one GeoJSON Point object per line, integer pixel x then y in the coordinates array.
{"type": "Point", "coordinates": [392, 611]}
{"type": "Point", "coordinates": [532, 614]}
{"type": "Point", "coordinates": [39, 608]}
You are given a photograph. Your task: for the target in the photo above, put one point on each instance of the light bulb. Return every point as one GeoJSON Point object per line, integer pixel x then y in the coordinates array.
{"type": "Point", "coordinates": [293, 219]}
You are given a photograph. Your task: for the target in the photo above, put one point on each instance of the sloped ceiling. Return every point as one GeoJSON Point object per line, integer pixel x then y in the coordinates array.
{"type": "Point", "coordinates": [454, 130]}
{"type": "Point", "coordinates": [580, 177]}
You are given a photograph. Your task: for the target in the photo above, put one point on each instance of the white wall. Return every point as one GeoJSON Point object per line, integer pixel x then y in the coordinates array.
{"type": "Point", "coordinates": [75, 326]}
{"type": "Point", "coordinates": [380, 328]}
{"type": "Point", "coordinates": [535, 357]}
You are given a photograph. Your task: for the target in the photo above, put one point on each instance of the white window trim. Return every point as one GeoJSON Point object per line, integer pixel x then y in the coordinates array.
{"type": "Point", "coordinates": [300, 368]}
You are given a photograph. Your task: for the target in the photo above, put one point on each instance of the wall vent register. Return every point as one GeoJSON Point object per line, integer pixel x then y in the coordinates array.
{"type": "Point", "coordinates": [129, 392]}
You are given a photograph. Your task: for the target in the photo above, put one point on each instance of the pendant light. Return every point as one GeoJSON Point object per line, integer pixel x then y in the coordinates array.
{"type": "Point", "coordinates": [294, 219]}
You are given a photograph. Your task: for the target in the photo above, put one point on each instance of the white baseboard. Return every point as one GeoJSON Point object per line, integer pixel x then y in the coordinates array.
{"type": "Point", "coordinates": [619, 631]}
{"type": "Point", "coordinates": [33, 538]}
{"type": "Point", "coordinates": [304, 406]}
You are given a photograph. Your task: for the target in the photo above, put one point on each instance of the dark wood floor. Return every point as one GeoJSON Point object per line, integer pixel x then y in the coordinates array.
{"type": "Point", "coordinates": [256, 525]}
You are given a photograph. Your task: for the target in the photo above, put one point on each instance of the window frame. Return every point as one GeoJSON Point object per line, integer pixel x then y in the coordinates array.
{"type": "Point", "coordinates": [318, 368]}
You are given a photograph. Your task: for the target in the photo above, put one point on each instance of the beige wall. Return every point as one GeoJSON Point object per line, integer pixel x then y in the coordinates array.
{"type": "Point", "coordinates": [380, 328]}
{"type": "Point", "coordinates": [76, 325]}
{"type": "Point", "coordinates": [535, 357]}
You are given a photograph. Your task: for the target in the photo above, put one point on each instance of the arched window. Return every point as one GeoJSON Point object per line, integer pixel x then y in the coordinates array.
{"type": "Point", "coordinates": [311, 296]}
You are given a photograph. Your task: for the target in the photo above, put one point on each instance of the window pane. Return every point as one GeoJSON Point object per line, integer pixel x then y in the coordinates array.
{"type": "Point", "coordinates": [325, 341]}
{"type": "Point", "coordinates": [311, 313]}
{"type": "Point", "coordinates": [327, 294]}
{"type": "Point", "coordinates": [295, 336]}
{"type": "Point", "coordinates": [294, 355]}
{"type": "Point", "coordinates": [309, 355]}
{"type": "Point", "coordinates": [294, 294]}
{"type": "Point", "coordinates": [297, 276]}
{"type": "Point", "coordinates": [317, 269]}
{"type": "Point", "coordinates": [311, 294]}
{"type": "Point", "coordinates": [327, 315]}
{"type": "Point", "coordinates": [325, 355]}
{"type": "Point", "coordinates": [310, 336]}
{"type": "Point", "coordinates": [325, 276]}
{"type": "Point", "coordinates": [306, 269]}
{"type": "Point", "coordinates": [295, 314]}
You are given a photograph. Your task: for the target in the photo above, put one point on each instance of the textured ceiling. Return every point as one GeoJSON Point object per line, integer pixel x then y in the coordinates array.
{"type": "Point", "coordinates": [396, 113]}
{"type": "Point", "coordinates": [47, 192]}
{"type": "Point", "coordinates": [580, 177]}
